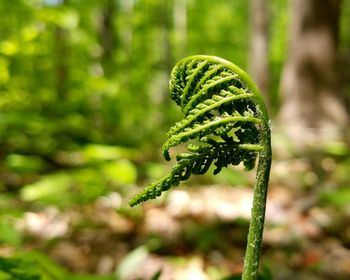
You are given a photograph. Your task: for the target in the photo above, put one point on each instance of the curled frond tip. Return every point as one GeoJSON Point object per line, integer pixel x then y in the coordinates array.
{"type": "Point", "coordinates": [223, 115]}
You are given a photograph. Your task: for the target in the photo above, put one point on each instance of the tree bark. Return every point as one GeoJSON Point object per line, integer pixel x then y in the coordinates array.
{"type": "Point", "coordinates": [180, 28]}
{"type": "Point", "coordinates": [312, 109]}
{"type": "Point", "coordinates": [61, 59]}
{"type": "Point", "coordinates": [259, 65]}
{"type": "Point", "coordinates": [165, 35]}
{"type": "Point", "coordinates": [107, 36]}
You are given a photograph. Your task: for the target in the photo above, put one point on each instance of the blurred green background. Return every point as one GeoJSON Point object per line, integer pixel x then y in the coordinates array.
{"type": "Point", "coordinates": [84, 111]}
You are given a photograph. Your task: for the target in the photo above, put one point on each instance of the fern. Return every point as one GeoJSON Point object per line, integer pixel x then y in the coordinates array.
{"type": "Point", "coordinates": [222, 121]}
{"type": "Point", "coordinates": [225, 123]}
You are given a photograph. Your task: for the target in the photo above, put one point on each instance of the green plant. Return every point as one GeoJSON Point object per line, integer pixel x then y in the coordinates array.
{"type": "Point", "coordinates": [33, 265]}
{"type": "Point", "coordinates": [226, 122]}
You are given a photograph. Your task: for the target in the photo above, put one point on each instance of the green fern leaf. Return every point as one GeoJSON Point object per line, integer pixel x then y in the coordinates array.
{"type": "Point", "coordinates": [222, 119]}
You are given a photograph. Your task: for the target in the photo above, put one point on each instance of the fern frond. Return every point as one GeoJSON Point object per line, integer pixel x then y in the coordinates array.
{"type": "Point", "coordinates": [201, 109]}
{"type": "Point", "coordinates": [223, 114]}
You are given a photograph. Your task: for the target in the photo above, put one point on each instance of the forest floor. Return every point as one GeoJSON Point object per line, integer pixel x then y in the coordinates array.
{"type": "Point", "coordinates": [199, 231]}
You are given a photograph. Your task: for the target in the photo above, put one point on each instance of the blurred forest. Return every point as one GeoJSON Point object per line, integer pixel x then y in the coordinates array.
{"type": "Point", "coordinates": [84, 110]}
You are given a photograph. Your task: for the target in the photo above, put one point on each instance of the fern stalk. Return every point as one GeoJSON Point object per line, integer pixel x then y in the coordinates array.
{"type": "Point", "coordinates": [256, 227]}
{"type": "Point", "coordinates": [226, 123]}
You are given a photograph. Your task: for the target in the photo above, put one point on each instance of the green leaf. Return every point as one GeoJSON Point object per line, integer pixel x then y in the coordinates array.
{"type": "Point", "coordinates": [221, 124]}
{"type": "Point", "coordinates": [339, 197]}
{"type": "Point", "coordinates": [120, 172]}
{"type": "Point", "coordinates": [131, 262]}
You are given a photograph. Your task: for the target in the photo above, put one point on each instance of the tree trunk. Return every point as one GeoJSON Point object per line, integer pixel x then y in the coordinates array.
{"type": "Point", "coordinates": [107, 36]}
{"type": "Point", "coordinates": [166, 54]}
{"type": "Point", "coordinates": [61, 59]}
{"type": "Point", "coordinates": [259, 66]}
{"type": "Point", "coordinates": [180, 28]}
{"type": "Point", "coordinates": [312, 109]}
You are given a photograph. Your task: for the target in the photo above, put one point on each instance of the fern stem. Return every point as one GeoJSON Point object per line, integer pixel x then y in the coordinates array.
{"type": "Point", "coordinates": [256, 228]}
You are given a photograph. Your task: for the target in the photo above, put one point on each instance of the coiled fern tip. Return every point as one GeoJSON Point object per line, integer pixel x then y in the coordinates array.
{"type": "Point", "coordinates": [224, 117]}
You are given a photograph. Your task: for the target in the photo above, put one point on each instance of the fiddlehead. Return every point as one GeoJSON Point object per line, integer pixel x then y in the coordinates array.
{"type": "Point", "coordinates": [225, 122]}
{"type": "Point", "coordinates": [223, 117]}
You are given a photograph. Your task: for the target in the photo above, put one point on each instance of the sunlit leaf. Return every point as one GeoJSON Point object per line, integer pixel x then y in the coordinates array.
{"type": "Point", "coordinates": [24, 164]}
{"type": "Point", "coordinates": [50, 188]}
{"type": "Point", "coordinates": [120, 172]}
{"type": "Point", "coordinates": [131, 262]}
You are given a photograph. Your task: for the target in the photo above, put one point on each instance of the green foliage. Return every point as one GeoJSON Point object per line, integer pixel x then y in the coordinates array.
{"type": "Point", "coordinates": [83, 185]}
{"type": "Point", "coordinates": [339, 197]}
{"type": "Point", "coordinates": [8, 233]}
{"type": "Point", "coordinates": [222, 116]}
{"type": "Point", "coordinates": [24, 164]}
{"type": "Point", "coordinates": [220, 25]}
{"type": "Point", "coordinates": [36, 266]}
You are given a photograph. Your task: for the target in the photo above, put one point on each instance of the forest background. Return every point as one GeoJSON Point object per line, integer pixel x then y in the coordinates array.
{"type": "Point", "coordinates": [84, 110]}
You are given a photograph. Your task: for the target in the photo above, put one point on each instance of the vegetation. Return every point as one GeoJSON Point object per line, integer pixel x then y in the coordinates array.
{"type": "Point", "coordinates": [83, 111]}
{"type": "Point", "coordinates": [225, 113]}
